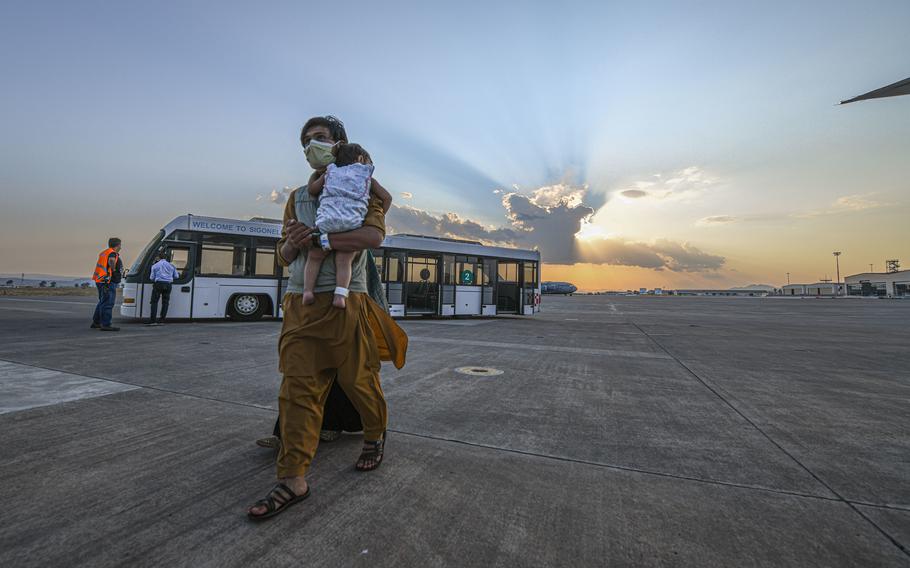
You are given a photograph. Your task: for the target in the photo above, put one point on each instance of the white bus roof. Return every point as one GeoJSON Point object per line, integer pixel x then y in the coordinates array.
{"type": "Point", "coordinates": [450, 246]}
{"type": "Point", "coordinates": [269, 228]}
{"type": "Point", "coordinates": [227, 226]}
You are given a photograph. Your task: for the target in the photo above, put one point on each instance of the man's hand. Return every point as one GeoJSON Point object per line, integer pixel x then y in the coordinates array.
{"type": "Point", "coordinates": [298, 234]}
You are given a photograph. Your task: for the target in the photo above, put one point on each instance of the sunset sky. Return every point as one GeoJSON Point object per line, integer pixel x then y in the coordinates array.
{"type": "Point", "coordinates": [678, 144]}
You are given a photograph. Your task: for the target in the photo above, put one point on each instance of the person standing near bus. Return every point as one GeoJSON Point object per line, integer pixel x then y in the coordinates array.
{"type": "Point", "coordinates": [163, 275]}
{"type": "Point", "coordinates": [108, 271]}
{"type": "Point", "coordinates": [320, 342]}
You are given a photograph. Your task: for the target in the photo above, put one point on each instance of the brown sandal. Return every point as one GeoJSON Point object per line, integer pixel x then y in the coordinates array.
{"type": "Point", "coordinates": [269, 442]}
{"type": "Point", "coordinates": [279, 498]}
{"type": "Point", "coordinates": [374, 454]}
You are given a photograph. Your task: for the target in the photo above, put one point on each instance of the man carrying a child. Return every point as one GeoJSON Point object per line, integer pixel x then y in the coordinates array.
{"type": "Point", "coordinates": [332, 329]}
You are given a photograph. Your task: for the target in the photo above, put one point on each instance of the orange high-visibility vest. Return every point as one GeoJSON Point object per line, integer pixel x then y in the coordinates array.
{"type": "Point", "coordinates": [102, 273]}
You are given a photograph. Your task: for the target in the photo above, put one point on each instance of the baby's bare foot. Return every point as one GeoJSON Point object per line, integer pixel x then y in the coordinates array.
{"type": "Point", "coordinates": [338, 302]}
{"type": "Point", "coordinates": [309, 298]}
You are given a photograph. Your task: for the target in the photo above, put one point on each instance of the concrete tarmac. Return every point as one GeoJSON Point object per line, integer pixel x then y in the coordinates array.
{"type": "Point", "coordinates": [622, 431]}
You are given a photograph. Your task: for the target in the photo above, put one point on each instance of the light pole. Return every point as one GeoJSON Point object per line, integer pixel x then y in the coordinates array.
{"type": "Point", "coordinates": [837, 263]}
{"type": "Point", "coordinates": [788, 279]}
{"type": "Point", "coordinates": [870, 267]}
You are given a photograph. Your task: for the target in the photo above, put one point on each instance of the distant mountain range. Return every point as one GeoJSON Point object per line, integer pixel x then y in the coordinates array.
{"type": "Point", "coordinates": [766, 287]}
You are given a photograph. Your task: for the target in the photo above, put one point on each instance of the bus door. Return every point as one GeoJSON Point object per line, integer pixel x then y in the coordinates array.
{"type": "Point", "coordinates": [529, 292]}
{"type": "Point", "coordinates": [394, 276]}
{"type": "Point", "coordinates": [422, 284]}
{"type": "Point", "coordinates": [269, 273]}
{"type": "Point", "coordinates": [508, 298]}
{"type": "Point", "coordinates": [182, 256]}
{"type": "Point", "coordinates": [488, 287]}
{"type": "Point", "coordinates": [447, 289]}
{"type": "Point", "coordinates": [468, 292]}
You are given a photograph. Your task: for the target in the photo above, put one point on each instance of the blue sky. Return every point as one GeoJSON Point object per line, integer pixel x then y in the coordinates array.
{"type": "Point", "coordinates": [120, 116]}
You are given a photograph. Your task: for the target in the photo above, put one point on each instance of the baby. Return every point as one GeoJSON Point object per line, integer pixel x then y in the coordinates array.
{"type": "Point", "coordinates": [345, 190]}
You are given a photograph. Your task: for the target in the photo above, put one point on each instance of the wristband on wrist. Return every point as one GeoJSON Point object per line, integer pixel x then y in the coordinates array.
{"type": "Point", "coordinates": [324, 241]}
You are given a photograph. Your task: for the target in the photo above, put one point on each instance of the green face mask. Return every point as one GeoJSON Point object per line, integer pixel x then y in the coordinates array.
{"type": "Point", "coordinates": [319, 154]}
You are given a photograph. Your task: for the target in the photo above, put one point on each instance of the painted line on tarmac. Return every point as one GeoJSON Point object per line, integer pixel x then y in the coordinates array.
{"type": "Point", "coordinates": [781, 448]}
{"type": "Point", "coordinates": [618, 467]}
{"type": "Point", "coordinates": [557, 348]}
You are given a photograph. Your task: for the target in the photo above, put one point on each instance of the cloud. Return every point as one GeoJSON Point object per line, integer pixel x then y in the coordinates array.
{"type": "Point", "coordinates": [410, 220]}
{"type": "Point", "coordinates": [686, 183]}
{"type": "Point", "coordinates": [856, 202]}
{"type": "Point", "coordinates": [683, 257]}
{"type": "Point", "coordinates": [843, 205]}
{"type": "Point", "coordinates": [558, 194]}
{"type": "Point", "coordinates": [548, 219]}
{"type": "Point", "coordinates": [279, 196]}
{"type": "Point", "coordinates": [406, 195]}
{"type": "Point", "coordinates": [662, 254]}
{"type": "Point", "coordinates": [715, 220]}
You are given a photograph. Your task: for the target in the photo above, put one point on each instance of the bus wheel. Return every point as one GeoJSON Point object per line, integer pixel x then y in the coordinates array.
{"type": "Point", "coordinates": [245, 307]}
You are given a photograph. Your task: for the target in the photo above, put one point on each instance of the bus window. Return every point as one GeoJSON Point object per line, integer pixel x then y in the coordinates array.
{"type": "Point", "coordinates": [448, 269]}
{"type": "Point", "coordinates": [180, 257]}
{"type": "Point", "coordinates": [146, 255]}
{"type": "Point", "coordinates": [488, 273]}
{"type": "Point", "coordinates": [396, 267]}
{"type": "Point", "coordinates": [530, 273]}
{"type": "Point", "coordinates": [265, 262]}
{"type": "Point", "coordinates": [395, 277]}
{"type": "Point", "coordinates": [466, 271]}
{"type": "Point", "coordinates": [223, 255]}
{"type": "Point", "coordinates": [377, 256]}
{"type": "Point", "coordinates": [422, 269]}
{"type": "Point", "coordinates": [508, 271]}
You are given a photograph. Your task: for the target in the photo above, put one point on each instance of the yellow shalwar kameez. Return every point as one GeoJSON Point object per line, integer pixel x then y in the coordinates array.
{"type": "Point", "coordinates": [320, 342]}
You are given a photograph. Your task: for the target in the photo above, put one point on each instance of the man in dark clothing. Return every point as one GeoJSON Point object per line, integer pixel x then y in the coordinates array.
{"type": "Point", "coordinates": [163, 275]}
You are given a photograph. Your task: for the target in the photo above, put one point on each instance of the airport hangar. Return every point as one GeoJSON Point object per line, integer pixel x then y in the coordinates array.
{"type": "Point", "coordinates": [868, 284]}
{"type": "Point", "coordinates": [814, 289]}
{"type": "Point", "coordinates": [881, 284]}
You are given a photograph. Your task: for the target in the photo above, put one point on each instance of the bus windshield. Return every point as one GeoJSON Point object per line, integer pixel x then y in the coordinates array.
{"type": "Point", "coordinates": [137, 265]}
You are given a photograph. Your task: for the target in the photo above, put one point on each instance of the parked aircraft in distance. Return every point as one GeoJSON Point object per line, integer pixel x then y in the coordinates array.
{"type": "Point", "coordinates": [557, 288]}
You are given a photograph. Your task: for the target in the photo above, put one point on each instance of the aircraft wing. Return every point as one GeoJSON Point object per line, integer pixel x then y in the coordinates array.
{"type": "Point", "coordinates": [892, 90]}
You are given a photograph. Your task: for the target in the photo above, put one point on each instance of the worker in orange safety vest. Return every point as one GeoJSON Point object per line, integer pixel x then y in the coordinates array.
{"type": "Point", "coordinates": [108, 272]}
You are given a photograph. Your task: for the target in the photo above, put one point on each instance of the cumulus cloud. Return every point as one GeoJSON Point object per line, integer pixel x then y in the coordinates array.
{"type": "Point", "coordinates": [557, 195]}
{"type": "Point", "coordinates": [548, 219]}
{"type": "Point", "coordinates": [406, 195]}
{"type": "Point", "coordinates": [410, 220]}
{"type": "Point", "coordinates": [686, 183]}
{"type": "Point", "coordinates": [279, 196]}
{"type": "Point", "coordinates": [661, 254]}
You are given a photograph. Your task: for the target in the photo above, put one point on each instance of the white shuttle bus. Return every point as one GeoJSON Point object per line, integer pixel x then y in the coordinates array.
{"type": "Point", "coordinates": [227, 268]}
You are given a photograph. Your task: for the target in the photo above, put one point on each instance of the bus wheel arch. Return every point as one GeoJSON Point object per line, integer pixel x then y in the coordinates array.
{"type": "Point", "coordinates": [247, 306]}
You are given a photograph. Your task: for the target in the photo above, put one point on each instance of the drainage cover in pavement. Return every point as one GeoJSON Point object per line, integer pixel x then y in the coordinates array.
{"type": "Point", "coordinates": [478, 371]}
